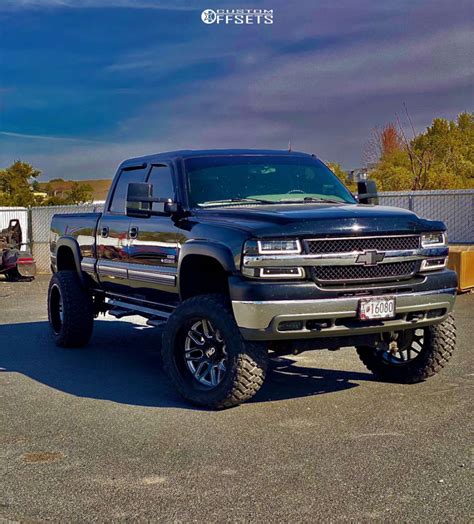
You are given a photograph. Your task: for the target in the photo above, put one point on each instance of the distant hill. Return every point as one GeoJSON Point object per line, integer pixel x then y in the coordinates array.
{"type": "Point", "coordinates": [60, 188]}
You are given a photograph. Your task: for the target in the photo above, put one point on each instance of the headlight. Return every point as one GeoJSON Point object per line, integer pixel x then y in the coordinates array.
{"type": "Point", "coordinates": [433, 239]}
{"type": "Point", "coordinates": [278, 247]}
{"type": "Point", "coordinates": [254, 248]}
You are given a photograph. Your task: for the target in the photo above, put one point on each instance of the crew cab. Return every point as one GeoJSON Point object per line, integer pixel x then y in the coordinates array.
{"type": "Point", "coordinates": [244, 254]}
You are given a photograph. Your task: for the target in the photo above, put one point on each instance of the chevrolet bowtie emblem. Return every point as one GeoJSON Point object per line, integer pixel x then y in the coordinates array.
{"type": "Point", "coordinates": [370, 258]}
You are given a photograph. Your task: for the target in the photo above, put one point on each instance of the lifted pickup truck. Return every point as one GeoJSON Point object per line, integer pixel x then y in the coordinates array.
{"type": "Point", "coordinates": [241, 254]}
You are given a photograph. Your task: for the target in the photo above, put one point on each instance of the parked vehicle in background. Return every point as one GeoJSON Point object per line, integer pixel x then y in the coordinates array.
{"type": "Point", "coordinates": [16, 262]}
{"type": "Point", "coordinates": [241, 254]}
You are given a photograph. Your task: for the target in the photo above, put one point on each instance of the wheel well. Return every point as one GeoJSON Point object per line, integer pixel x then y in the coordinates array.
{"type": "Point", "coordinates": [65, 259]}
{"type": "Point", "coordinates": [201, 275]}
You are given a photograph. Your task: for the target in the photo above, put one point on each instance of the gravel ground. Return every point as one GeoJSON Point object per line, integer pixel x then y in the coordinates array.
{"type": "Point", "coordinates": [99, 434]}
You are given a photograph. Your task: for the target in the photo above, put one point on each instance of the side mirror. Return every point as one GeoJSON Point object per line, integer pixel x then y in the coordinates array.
{"type": "Point", "coordinates": [367, 192]}
{"type": "Point", "coordinates": [140, 202]}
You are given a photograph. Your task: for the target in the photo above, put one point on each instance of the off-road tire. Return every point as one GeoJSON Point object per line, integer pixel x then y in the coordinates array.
{"type": "Point", "coordinates": [247, 361]}
{"type": "Point", "coordinates": [439, 344]}
{"type": "Point", "coordinates": [75, 328]}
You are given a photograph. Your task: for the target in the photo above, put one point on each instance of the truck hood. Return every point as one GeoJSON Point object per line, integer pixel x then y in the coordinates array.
{"type": "Point", "coordinates": [317, 219]}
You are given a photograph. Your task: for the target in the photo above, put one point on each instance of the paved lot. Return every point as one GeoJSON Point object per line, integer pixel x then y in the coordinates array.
{"type": "Point", "coordinates": [98, 434]}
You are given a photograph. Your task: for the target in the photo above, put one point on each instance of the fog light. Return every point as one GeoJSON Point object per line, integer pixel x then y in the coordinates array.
{"type": "Point", "coordinates": [282, 272]}
{"type": "Point", "coordinates": [431, 264]}
{"type": "Point", "coordinates": [290, 325]}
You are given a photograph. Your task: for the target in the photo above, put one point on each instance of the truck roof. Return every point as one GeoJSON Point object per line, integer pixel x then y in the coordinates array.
{"type": "Point", "coordinates": [188, 153]}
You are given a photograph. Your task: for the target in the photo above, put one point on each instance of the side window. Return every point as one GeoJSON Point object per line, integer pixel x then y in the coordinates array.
{"type": "Point", "coordinates": [120, 193]}
{"type": "Point", "coordinates": [162, 180]}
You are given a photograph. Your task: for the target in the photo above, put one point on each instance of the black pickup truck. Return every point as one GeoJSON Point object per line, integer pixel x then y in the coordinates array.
{"type": "Point", "coordinates": [244, 254]}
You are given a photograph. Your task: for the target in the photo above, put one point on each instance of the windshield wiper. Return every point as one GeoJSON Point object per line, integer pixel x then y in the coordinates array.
{"type": "Point", "coordinates": [236, 200]}
{"type": "Point", "coordinates": [311, 200]}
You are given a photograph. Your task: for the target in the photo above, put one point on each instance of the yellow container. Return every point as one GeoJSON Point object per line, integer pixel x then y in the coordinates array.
{"type": "Point", "coordinates": [461, 260]}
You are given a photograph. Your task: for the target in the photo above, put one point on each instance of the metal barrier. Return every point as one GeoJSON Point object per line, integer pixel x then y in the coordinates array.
{"type": "Point", "coordinates": [40, 220]}
{"type": "Point", "coordinates": [455, 208]}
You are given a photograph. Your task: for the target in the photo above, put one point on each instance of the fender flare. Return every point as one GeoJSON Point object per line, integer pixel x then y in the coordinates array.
{"type": "Point", "coordinates": [219, 252]}
{"type": "Point", "coordinates": [72, 244]}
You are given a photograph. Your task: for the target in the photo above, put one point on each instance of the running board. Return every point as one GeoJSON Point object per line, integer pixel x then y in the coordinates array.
{"type": "Point", "coordinates": [123, 309]}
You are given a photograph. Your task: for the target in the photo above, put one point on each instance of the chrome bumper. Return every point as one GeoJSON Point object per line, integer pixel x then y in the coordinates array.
{"type": "Point", "coordinates": [260, 320]}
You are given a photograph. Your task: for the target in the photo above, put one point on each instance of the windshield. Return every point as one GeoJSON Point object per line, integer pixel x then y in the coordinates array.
{"type": "Point", "coordinates": [230, 180]}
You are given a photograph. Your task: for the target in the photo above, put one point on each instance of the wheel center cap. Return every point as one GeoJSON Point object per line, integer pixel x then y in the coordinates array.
{"type": "Point", "coordinates": [210, 352]}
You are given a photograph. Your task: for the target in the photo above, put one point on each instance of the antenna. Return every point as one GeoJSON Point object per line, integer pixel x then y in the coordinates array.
{"type": "Point", "coordinates": [289, 146]}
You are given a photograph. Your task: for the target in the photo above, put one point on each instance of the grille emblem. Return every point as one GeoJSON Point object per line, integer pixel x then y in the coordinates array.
{"type": "Point", "coordinates": [370, 258]}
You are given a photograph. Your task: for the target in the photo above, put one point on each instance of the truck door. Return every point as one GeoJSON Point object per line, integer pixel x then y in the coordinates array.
{"type": "Point", "coordinates": [153, 247]}
{"type": "Point", "coordinates": [112, 233]}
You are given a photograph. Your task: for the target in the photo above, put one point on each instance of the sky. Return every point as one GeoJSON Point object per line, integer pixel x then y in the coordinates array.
{"type": "Point", "coordinates": [85, 84]}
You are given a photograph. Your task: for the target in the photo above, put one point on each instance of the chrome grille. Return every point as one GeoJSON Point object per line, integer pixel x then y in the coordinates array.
{"type": "Point", "coordinates": [348, 245]}
{"type": "Point", "coordinates": [390, 271]}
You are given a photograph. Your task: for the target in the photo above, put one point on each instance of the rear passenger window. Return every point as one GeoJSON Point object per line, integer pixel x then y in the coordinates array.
{"type": "Point", "coordinates": [119, 197]}
{"type": "Point", "coordinates": [162, 180]}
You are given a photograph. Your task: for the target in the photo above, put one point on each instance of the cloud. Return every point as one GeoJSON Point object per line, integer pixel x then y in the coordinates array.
{"type": "Point", "coordinates": [177, 5]}
{"type": "Point", "coordinates": [322, 76]}
{"type": "Point", "coordinates": [45, 137]}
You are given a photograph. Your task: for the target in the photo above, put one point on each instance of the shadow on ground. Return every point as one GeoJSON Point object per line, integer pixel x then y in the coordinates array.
{"type": "Point", "coordinates": [122, 364]}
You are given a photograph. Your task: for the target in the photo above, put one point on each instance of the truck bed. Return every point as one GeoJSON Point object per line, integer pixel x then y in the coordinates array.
{"type": "Point", "coordinates": [80, 226]}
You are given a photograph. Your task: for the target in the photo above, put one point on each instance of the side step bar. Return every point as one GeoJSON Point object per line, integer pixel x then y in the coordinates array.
{"type": "Point", "coordinates": [120, 309]}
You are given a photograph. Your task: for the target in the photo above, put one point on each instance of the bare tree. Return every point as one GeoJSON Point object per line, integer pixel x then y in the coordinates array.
{"type": "Point", "coordinates": [421, 160]}
{"type": "Point", "coordinates": [383, 140]}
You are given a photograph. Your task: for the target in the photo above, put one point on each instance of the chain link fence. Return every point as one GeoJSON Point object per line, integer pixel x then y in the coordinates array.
{"type": "Point", "coordinates": [454, 208]}
{"type": "Point", "coordinates": [40, 223]}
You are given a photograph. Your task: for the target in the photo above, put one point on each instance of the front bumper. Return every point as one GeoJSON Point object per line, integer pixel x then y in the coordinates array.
{"type": "Point", "coordinates": [338, 316]}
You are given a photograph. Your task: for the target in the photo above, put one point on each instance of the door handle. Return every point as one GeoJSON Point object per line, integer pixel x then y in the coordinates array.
{"type": "Point", "coordinates": [133, 232]}
{"type": "Point", "coordinates": [104, 232]}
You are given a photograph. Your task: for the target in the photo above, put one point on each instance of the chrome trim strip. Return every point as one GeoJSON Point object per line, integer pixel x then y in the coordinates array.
{"type": "Point", "coordinates": [165, 275]}
{"type": "Point", "coordinates": [106, 268]}
{"type": "Point", "coordinates": [88, 264]}
{"type": "Point", "coordinates": [339, 259]}
{"type": "Point", "coordinates": [143, 273]}
{"type": "Point", "coordinates": [145, 268]}
{"type": "Point", "coordinates": [153, 278]}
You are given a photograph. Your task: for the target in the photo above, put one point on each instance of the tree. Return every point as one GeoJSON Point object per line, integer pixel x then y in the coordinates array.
{"type": "Point", "coordinates": [440, 158]}
{"type": "Point", "coordinates": [383, 141]}
{"type": "Point", "coordinates": [79, 194]}
{"type": "Point", "coordinates": [15, 188]}
{"type": "Point", "coordinates": [342, 175]}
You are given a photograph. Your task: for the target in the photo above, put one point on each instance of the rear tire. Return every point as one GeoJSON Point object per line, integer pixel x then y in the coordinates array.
{"type": "Point", "coordinates": [206, 357]}
{"type": "Point", "coordinates": [70, 310]}
{"type": "Point", "coordinates": [12, 275]}
{"type": "Point", "coordinates": [430, 349]}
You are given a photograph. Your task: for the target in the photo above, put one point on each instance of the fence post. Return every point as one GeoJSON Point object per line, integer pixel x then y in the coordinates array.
{"type": "Point", "coordinates": [30, 230]}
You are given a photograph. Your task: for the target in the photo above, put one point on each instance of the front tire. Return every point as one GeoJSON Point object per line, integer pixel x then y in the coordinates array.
{"type": "Point", "coordinates": [417, 355]}
{"type": "Point", "coordinates": [206, 357]}
{"type": "Point", "coordinates": [70, 310]}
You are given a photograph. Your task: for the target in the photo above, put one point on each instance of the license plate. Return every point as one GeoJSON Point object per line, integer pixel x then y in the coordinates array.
{"type": "Point", "coordinates": [376, 307]}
